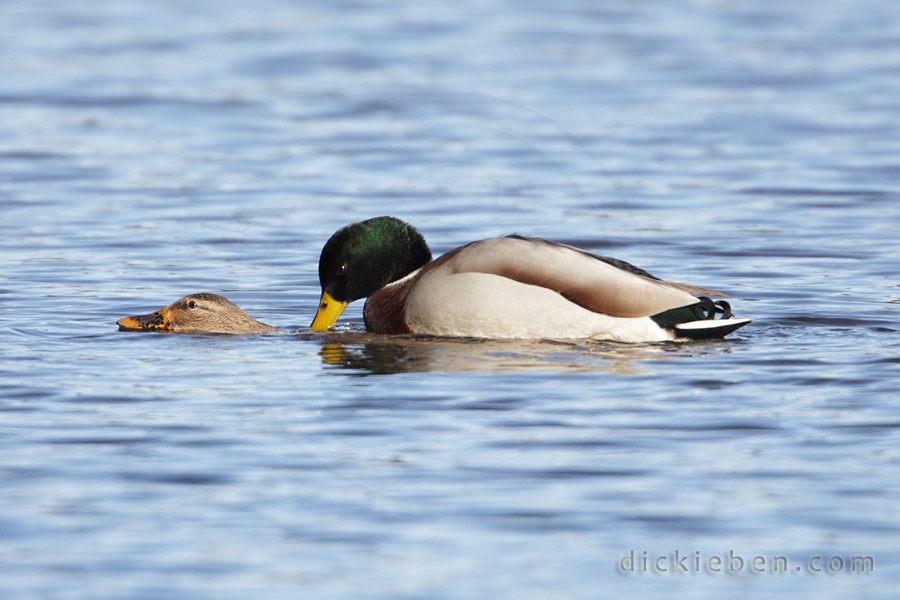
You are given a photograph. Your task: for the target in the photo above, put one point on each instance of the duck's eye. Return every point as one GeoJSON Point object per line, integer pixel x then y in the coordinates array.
{"type": "Point", "coordinates": [192, 304]}
{"type": "Point", "coordinates": [341, 269]}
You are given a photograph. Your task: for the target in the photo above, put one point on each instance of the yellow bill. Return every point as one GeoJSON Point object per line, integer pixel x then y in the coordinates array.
{"type": "Point", "coordinates": [329, 311]}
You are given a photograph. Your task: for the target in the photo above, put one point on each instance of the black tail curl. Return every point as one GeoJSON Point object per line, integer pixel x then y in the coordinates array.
{"type": "Point", "coordinates": [705, 309]}
{"type": "Point", "coordinates": [688, 321]}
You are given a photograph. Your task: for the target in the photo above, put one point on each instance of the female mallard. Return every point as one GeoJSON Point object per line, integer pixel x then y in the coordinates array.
{"type": "Point", "coordinates": [197, 313]}
{"type": "Point", "coordinates": [509, 287]}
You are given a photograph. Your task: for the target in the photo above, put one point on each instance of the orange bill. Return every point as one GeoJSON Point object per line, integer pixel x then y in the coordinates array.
{"type": "Point", "coordinates": [156, 321]}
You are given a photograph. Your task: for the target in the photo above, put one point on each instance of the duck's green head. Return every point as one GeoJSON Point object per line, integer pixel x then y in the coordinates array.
{"type": "Point", "coordinates": [362, 258]}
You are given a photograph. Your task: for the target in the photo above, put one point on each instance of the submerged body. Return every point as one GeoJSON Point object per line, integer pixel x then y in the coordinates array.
{"type": "Point", "coordinates": [197, 313]}
{"type": "Point", "coordinates": [511, 287]}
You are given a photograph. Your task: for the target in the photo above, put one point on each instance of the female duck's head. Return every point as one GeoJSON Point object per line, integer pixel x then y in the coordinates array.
{"type": "Point", "coordinates": [197, 313]}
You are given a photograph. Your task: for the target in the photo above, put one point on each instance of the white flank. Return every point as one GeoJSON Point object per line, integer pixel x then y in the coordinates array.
{"type": "Point", "coordinates": [490, 306]}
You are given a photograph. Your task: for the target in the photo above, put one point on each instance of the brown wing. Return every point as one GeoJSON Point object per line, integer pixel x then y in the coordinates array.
{"type": "Point", "coordinates": [601, 285]}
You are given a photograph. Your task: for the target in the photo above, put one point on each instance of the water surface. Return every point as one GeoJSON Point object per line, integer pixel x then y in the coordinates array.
{"type": "Point", "coordinates": [149, 150]}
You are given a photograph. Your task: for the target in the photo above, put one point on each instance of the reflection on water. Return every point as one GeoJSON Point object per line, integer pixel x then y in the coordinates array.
{"type": "Point", "coordinates": [374, 354]}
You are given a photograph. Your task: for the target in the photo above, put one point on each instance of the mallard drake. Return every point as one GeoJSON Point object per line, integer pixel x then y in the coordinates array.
{"type": "Point", "coordinates": [197, 313]}
{"type": "Point", "coordinates": [508, 287]}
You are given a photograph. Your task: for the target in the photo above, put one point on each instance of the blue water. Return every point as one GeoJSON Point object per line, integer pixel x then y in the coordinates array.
{"type": "Point", "coordinates": [152, 149]}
